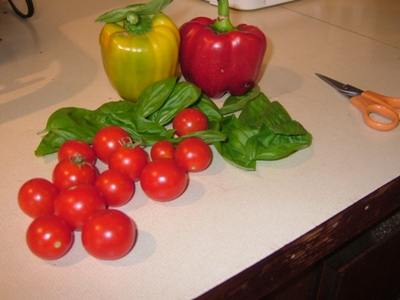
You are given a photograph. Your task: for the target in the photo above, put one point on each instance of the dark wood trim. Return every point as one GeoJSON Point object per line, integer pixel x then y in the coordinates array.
{"type": "Point", "coordinates": [273, 271]}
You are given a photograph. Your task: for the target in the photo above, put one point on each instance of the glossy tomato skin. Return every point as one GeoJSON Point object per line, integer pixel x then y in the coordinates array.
{"type": "Point", "coordinates": [117, 187]}
{"type": "Point", "coordinates": [76, 204]}
{"type": "Point", "coordinates": [162, 149]}
{"type": "Point", "coordinates": [49, 237]}
{"type": "Point", "coordinates": [130, 161]}
{"type": "Point", "coordinates": [193, 154]}
{"type": "Point", "coordinates": [109, 234]}
{"type": "Point", "coordinates": [73, 148]}
{"type": "Point", "coordinates": [189, 120]}
{"type": "Point", "coordinates": [107, 140]}
{"type": "Point", "coordinates": [164, 180]}
{"type": "Point", "coordinates": [36, 197]}
{"type": "Point", "coordinates": [73, 171]}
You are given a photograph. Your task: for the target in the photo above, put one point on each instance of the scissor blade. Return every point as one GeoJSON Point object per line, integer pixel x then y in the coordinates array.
{"type": "Point", "coordinates": [346, 89]}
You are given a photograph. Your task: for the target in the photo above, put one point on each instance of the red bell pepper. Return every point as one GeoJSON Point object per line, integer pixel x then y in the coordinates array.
{"type": "Point", "coordinates": [219, 57]}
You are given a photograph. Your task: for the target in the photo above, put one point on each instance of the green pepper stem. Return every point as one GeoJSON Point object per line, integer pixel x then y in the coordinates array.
{"type": "Point", "coordinates": [223, 23]}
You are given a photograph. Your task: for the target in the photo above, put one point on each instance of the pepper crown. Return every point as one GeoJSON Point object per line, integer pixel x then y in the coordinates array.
{"type": "Point", "coordinates": [137, 17]}
{"type": "Point", "coordinates": [223, 24]}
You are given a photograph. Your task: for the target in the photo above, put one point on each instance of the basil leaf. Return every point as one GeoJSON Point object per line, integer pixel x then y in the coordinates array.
{"type": "Point", "coordinates": [49, 144]}
{"type": "Point", "coordinates": [183, 95]}
{"type": "Point", "coordinates": [154, 96]}
{"type": "Point", "coordinates": [52, 141]}
{"type": "Point", "coordinates": [65, 124]}
{"type": "Point", "coordinates": [263, 131]}
{"type": "Point", "coordinates": [138, 127]}
{"type": "Point", "coordinates": [155, 6]}
{"type": "Point", "coordinates": [85, 133]}
{"type": "Point", "coordinates": [234, 149]}
{"type": "Point", "coordinates": [235, 103]}
{"type": "Point", "coordinates": [67, 117]}
{"type": "Point", "coordinates": [116, 106]}
{"type": "Point", "coordinates": [149, 139]}
{"type": "Point", "coordinates": [278, 120]}
{"type": "Point", "coordinates": [269, 145]}
{"type": "Point", "coordinates": [253, 111]}
{"type": "Point", "coordinates": [150, 8]}
{"type": "Point", "coordinates": [208, 107]}
{"type": "Point", "coordinates": [208, 136]}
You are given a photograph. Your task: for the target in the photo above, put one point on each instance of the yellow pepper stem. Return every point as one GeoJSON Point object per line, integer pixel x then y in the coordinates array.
{"type": "Point", "coordinates": [137, 24]}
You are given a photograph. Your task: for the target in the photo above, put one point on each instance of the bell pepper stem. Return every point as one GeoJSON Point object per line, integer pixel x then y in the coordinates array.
{"type": "Point", "coordinates": [132, 18]}
{"type": "Point", "coordinates": [136, 17]}
{"type": "Point", "coordinates": [223, 23]}
{"type": "Point", "coordinates": [137, 24]}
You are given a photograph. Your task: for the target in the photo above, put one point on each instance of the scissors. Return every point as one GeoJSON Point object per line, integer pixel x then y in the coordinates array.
{"type": "Point", "coordinates": [370, 102]}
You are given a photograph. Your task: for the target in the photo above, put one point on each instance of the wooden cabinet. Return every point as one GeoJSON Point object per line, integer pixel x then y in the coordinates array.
{"type": "Point", "coordinates": [367, 268]}
{"type": "Point", "coordinates": [354, 255]}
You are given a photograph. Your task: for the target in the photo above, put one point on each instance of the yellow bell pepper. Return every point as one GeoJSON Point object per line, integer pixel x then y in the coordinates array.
{"type": "Point", "coordinates": [139, 46]}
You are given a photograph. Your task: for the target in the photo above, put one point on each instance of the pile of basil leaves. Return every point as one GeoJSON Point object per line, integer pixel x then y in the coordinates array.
{"type": "Point", "coordinates": [244, 130]}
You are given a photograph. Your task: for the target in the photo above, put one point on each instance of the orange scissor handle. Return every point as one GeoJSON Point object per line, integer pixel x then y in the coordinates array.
{"type": "Point", "coordinates": [369, 102]}
{"type": "Point", "coordinates": [394, 103]}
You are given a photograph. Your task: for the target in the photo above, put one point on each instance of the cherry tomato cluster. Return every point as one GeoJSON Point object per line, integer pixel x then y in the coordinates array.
{"type": "Point", "coordinates": [80, 198]}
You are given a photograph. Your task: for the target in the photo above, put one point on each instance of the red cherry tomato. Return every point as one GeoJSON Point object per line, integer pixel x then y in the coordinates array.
{"type": "Point", "coordinates": [117, 187]}
{"type": "Point", "coordinates": [107, 140]}
{"type": "Point", "coordinates": [193, 154]}
{"type": "Point", "coordinates": [129, 159]}
{"type": "Point", "coordinates": [109, 234]}
{"type": "Point", "coordinates": [49, 237]}
{"type": "Point", "coordinates": [162, 149]}
{"type": "Point", "coordinates": [189, 120]}
{"type": "Point", "coordinates": [36, 197]}
{"type": "Point", "coordinates": [76, 204]}
{"type": "Point", "coordinates": [164, 180]}
{"type": "Point", "coordinates": [73, 171]}
{"type": "Point", "coordinates": [73, 148]}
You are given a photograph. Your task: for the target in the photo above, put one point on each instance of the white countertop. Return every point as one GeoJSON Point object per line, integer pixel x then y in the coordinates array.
{"type": "Point", "coordinates": [228, 219]}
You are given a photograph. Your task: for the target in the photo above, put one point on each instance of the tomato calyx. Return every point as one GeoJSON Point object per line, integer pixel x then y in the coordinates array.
{"type": "Point", "coordinates": [127, 142]}
{"type": "Point", "coordinates": [79, 160]}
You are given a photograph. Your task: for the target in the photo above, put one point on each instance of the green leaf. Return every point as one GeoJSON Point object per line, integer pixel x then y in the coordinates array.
{"type": "Point", "coordinates": [235, 103]}
{"type": "Point", "coordinates": [50, 143]}
{"type": "Point", "coordinates": [155, 6]}
{"type": "Point", "coordinates": [183, 95]}
{"type": "Point", "coordinates": [154, 96]}
{"type": "Point", "coordinates": [263, 131]}
{"type": "Point", "coordinates": [85, 133]}
{"type": "Point", "coordinates": [148, 139]}
{"type": "Point", "coordinates": [253, 111]}
{"type": "Point", "coordinates": [120, 14]}
{"type": "Point", "coordinates": [208, 136]}
{"type": "Point", "coordinates": [116, 106]}
{"type": "Point", "coordinates": [67, 117]}
{"type": "Point", "coordinates": [234, 149]}
{"type": "Point", "coordinates": [269, 145]}
{"type": "Point", "coordinates": [278, 120]}
{"type": "Point", "coordinates": [208, 107]}
{"type": "Point", "coordinates": [138, 127]}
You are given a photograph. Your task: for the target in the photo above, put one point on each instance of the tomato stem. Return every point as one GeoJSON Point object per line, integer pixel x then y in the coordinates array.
{"type": "Point", "coordinates": [128, 143]}
{"type": "Point", "coordinates": [79, 160]}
